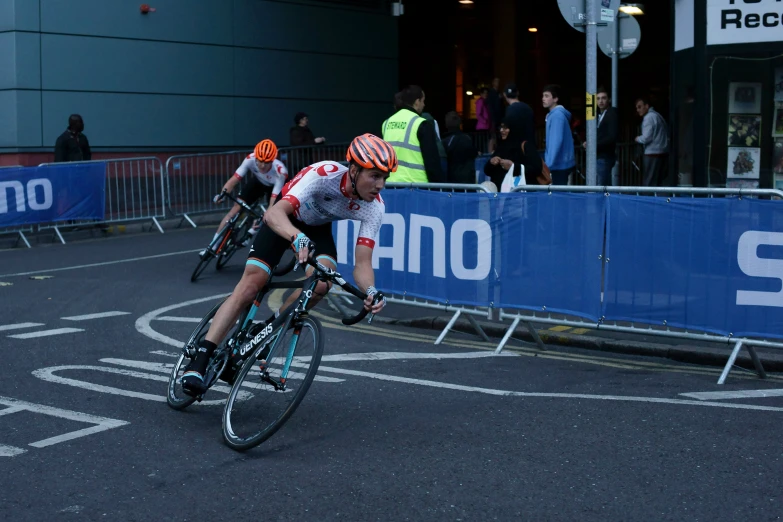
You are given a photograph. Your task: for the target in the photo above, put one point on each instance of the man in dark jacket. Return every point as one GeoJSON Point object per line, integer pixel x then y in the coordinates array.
{"type": "Point", "coordinates": [608, 130]}
{"type": "Point", "coordinates": [300, 134]}
{"type": "Point", "coordinates": [72, 145]}
{"type": "Point", "coordinates": [460, 152]}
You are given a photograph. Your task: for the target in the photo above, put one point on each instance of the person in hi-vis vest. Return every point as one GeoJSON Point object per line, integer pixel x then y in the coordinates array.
{"type": "Point", "coordinates": [414, 141]}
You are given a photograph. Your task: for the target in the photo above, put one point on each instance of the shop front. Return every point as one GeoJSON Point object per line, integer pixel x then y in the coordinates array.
{"type": "Point", "coordinates": [727, 93]}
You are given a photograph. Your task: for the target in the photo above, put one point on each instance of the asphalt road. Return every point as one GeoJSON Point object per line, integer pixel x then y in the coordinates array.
{"type": "Point", "coordinates": [395, 428]}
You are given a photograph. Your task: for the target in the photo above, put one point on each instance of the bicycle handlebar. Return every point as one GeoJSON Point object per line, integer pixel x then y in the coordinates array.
{"type": "Point", "coordinates": [345, 285]}
{"type": "Point", "coordinates": [239, 202]}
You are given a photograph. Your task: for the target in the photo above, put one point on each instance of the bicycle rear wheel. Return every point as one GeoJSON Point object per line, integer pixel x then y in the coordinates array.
{"type": "Point", "coordinates": [176, 397]}
{"type": "Point", "coordinates": [249, 421]}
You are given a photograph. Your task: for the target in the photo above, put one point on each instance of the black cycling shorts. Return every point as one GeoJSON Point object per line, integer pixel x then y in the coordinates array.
{"type": "Point", "coordinates": [268, 247]}
{"type": "Point", "coordinates": [253, 190]}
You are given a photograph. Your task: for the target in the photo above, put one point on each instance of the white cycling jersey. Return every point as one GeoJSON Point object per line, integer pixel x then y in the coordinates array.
{"type": "Point", "coordinates": [322, 193]}
{"type": "Point", "coordinates": [275, 178]}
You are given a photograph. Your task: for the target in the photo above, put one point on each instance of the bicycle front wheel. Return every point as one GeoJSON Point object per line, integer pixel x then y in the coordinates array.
{"type": "Point", "coordinates": [250, 419]}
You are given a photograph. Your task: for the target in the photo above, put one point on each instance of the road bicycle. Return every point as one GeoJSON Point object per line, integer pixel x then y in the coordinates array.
{"type": "Point", "coordinates": [230, 238]}
{"type": "Point", "coordinates": [269, 361]}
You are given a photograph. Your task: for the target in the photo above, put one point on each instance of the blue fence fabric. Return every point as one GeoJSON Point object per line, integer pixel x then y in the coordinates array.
{"type": "Point", "coordinates": [505, 250]}
{"type": "Point", "coordinates": [31, 195]}
{"type": "Point", "coordinates": [708, 264]}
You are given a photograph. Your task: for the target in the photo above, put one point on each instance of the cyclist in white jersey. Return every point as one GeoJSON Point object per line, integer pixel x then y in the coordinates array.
{"type": "Point", "coordinates": [319, 194]}
{"type": "Point", "coordinates": [268, 174]}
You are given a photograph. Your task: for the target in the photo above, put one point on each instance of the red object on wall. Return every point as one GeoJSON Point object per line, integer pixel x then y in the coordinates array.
{"type": "Point", "coordinates": [145, 8]}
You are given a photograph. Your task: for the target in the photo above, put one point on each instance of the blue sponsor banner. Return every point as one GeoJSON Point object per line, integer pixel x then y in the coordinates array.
{"type": "Point", "coordinates": [705, 264]}
{"type": "Point", "coordinates": [49, 194]}
{"type": "Point", "coordinates": [502, 250]}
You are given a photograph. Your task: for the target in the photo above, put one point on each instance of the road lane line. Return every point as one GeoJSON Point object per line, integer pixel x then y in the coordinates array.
{"type": "Point", "coordinates": [105, 263]}
{"type": "Point", "coordinates": [46, 333]}
{"type": "Point", "coordinates": [143, 322]}
{"type": "Point", "coordinates": [506, 393]}
{"type": "Point", "coordinates": [18, 326]}
{"type": "Point", "coordinates": [737, 394]}
{"type": "Point", "coordinates": [10, 451]}
{"type": "Point", "coordinates": [174, 319]}
{"type": "Point", "coordinates": [100, 315]}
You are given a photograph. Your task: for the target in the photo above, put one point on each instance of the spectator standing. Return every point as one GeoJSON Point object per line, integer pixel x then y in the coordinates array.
{"type": "Point", "coordinates": [494, 105]}
{"type": "Point", "coordinates": [608, 131]}
{"type": "Point", "coordinates": [73, 145]}
{"type": "Point", "coordinates": [414, 140]}
{"type": "Point", "coordinates": [559, 155]}
{"type": "Point", "coordinates": [300, 135]}
{"type": "Point", "coordinates": [483, 116]}
{"type": "Point", "coordinates": [460, 152]}
{"type": "Point", "coordinates": [655, 139]}
{"type": "Point", "coordinates": [519, 115]}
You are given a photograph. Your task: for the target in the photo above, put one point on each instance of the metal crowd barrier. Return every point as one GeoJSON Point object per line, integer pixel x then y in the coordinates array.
{"type": "Point", "coordinates": [135, 189]}
{"type": "Point", "coordinates": [192, 180]}
{"type": "Point", "coordinates": [297, 158]}
{"type": "Point", "coordinates": [517, 316]}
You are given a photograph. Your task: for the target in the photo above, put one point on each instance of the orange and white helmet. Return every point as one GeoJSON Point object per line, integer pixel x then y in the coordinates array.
{"type": "Point", "coordinates": [266, 151]}
{"type": "Point", "coordinates": [371, 152]}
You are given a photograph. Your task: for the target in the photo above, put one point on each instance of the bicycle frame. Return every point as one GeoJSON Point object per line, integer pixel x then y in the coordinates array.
{"type": "Point", "coordinates": [244, 208]}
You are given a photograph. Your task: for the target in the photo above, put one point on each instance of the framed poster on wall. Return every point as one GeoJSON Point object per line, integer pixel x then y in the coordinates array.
{"type": "Point", "coordinates": [777, 123]}
{"type": "Point", "coordinates": [744, 130]}
{"type": "Point", "coordinates": [744, 98]}
{"type": "Point", "coordinates": [744, 163]}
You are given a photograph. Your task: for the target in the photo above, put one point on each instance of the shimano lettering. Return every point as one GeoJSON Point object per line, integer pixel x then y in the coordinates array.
{"type": "Point", "coordinates": [17, 200]}
{"type": "Point", "coordinates": [754, 266]}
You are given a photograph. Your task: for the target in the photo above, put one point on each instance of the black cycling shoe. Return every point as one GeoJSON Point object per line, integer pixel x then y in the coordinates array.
{"type": "Point", "coordinates": [193, 384]}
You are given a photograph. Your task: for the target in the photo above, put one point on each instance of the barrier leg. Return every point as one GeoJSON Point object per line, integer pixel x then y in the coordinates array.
{"type": "Point", "coordinates": [21, 235]}
{"type": "Point", "coordinates": [536, 337]}
{"type": "Point", "coordinates": [508, 335]}
{"type": "Point", "coordinates": [730, 363]}
{"type": "Point", "coordinates": [155, 220]}
{"type": "Point", "coordinates": [478, 328]}
{"type": "Point", "coordinates": [448, 327]}
{"type": "Point", "coordinates": [756, 362]}
{"type": "Point", "coordinates": [60, 236]}
{"type": "Point", "coordinates": [185, 216]}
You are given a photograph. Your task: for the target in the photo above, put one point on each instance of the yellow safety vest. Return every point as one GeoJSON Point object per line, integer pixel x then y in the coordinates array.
{"type": "Point", "coordinates": [401, 132]}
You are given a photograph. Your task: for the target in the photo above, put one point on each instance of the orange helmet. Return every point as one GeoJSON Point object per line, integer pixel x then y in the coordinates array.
{"type": "Point", "coordinates": [371, 152]}
{"type": "Point", "coordinates": [266, 151]}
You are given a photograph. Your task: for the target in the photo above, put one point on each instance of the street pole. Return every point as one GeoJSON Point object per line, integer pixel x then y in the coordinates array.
{"type": "Point", "coordinates": [592, 51]}
{"type": "Point", "coordinates": [615, 67]}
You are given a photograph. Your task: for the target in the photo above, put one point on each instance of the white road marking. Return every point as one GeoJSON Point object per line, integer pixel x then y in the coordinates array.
{"type": "Point", "coordinates": [105, 263]}
{"type": "Point", "coordinates": [385, 356]}
{"type": "Point", "coordinates": [87, 317]}
{"type": "Point", "coordinates": [101, 423]}
{"type": "Point", "coordinates": [505, 393]}
{"type": "Point", "coordinates": [738, 394]}
{"type": "Point", "coordinates": [13, 409]}
{"type": "Point", "coordinates": [143, 322]}
{"type": "Point", "coordinates": [46, 333]}
{"type": "Point", "coordinates": [10, 451]}
{"type": "Point", "coordinates": [166, 368]}
{"type": "Point", "coordinates": [18, 326]}
{"type": "Point", "coordinates": [143, 326]}
{"type": "Point", "coordinates": [48, 374]}
{"type": "Point", "coordinates": [179, 319]}
{"type": "Point", "coordinates": [166, 354]}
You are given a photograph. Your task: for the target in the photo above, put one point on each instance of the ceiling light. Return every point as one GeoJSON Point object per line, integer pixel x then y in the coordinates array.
{"type": "Point", "coordinates": [532, 29]}
{"type": "Point", "coordinates": [632, 9]}
{"type": "Point", "coordinates": [465, 1]}
{"type": "Point", "coordinates": [469, 93]}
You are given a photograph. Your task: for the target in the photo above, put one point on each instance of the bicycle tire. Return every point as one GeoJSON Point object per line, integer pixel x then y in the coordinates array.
{"type": "Point", "coordinates": [172, 398]}
{"type": "Point", "coordinates": [200, 267]}
{"type": "Point", "coordinates": [233, 243]}
{"type": "Point", "coordinates": [204, 261]}
{"type": "Point", "coordinates": [244, 443]}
